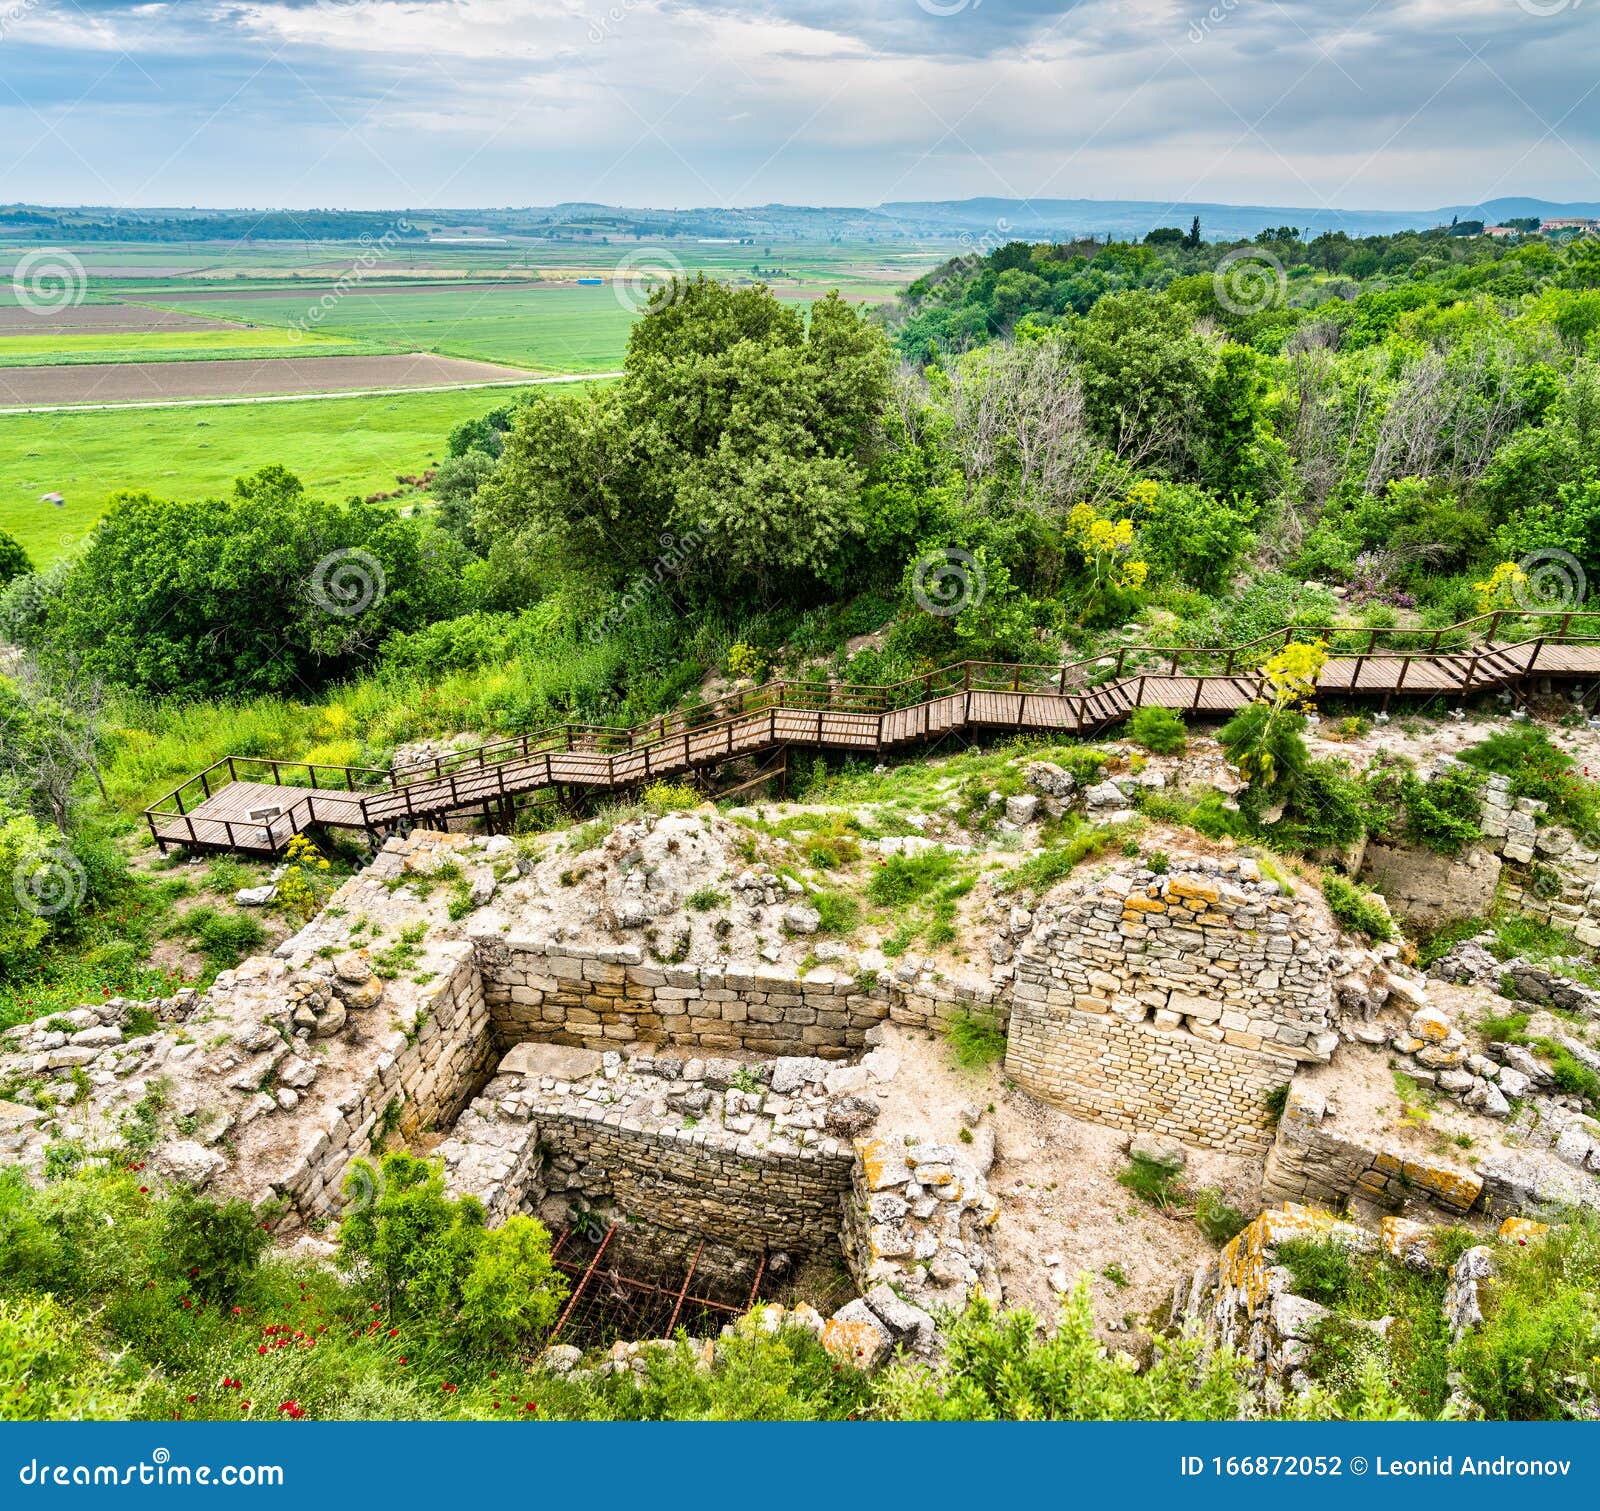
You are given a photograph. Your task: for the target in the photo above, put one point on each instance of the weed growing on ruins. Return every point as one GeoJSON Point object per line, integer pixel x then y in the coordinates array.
{"type": "Point", "coordinates": [1079, 842]}
{"type": "Point", "coordinates": [976, 1039]}
{"type": "Point", "coordinates": [1216, 1217]}
{"type": "Point", "coordinates": [903, 879]}
{"type": "Point", "coordinates": [399, 957]}
{"type": "Point", "coordinates": [1157, 729]}
{"type": "Point", "coordinates": [1153, 1181]}
{"type": "Point", "coordinates": [704, 899]}
{"type": "Point", "coordinates": [1355, 908]}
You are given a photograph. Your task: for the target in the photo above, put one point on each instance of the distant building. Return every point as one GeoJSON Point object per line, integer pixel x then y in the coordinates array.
{"type": "Point", "coordinates": [1570, 223]}
{"type": "Point", "coordinates": [1501, 231]}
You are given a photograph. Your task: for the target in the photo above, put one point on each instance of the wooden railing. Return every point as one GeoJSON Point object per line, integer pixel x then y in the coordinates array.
{"type": "Point", "coordinates": [1098, 689]}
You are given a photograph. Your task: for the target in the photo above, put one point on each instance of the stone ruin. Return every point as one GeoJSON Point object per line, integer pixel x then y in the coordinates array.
{"type": "Point", "coordinates": [689, 1081]}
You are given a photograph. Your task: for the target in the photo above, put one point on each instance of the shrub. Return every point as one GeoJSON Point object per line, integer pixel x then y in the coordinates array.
{"type": "Point", "coordinates": [14, 560]}
{"type": "Point", "coordinates": [231, 595]}
{"type": "Point", "coordinates": [212, 1249]}
{"type": "Point", "coordinates": [669, 797]}
{"type": "Point", "coordinates": [704, 899]}
{"type": "Point", "coordinates": [431, 1259]}
{"type": "Point", "coordinates": [1157, 729]}
{"type": "Point", "coordinates": [223, 938]}
{"type": "Point", "coordinates": [1356, 909]}
{"type": "Point", "coordinates": [999, 1366]}
{"type": "Point", "coordinates": [50, 1368]}
{"type": "Point", "coordinates": [745, 662]}
{"type": "Point", "coordinates": [977, 1039]}
{"type": "Point", "coordinates": [1539, 769]}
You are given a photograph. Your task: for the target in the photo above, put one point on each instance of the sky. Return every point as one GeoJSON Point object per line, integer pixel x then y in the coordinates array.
{"type": "Point", "coordinates": [1399, 104]}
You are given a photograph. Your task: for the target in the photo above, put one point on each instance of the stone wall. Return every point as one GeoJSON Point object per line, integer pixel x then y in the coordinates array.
{"type": "Point", "coordinates": [1311, 1162]}
{"type": "Point", "coordinates": [752, 1156]}
{"type": "Point", "coordinates": [426, 1071]}
{"type": "Point", "coordinates": [1172, 1002]}
{"type": "Point", "coordinates": [603, 996]}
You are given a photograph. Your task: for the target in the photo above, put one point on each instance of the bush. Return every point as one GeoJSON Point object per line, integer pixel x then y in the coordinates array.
{"type": "Point", "coordinates": [267, 590]}
{"type": "Point", "coordinates": [1539, 769]}
{"type": "Point", "coordinates": [999, 1366]}
{"type": "Point", "coordinates": [1357, 909]}
{"type": "Point", "coordinates": [977, 1039]}
{"type": "Point", "coordinates": [669, 797]}
{"type": "Point", "coordinates": [213, 1249]}
{"type": "Point", "coordinates": [14, 560]}
{"type": "Point", "coordinates": [431, 1260]}
{"type": "Point", "coordinates": [1537, 1355]}
{"type": "Point", "coordinates": [1157, 729]}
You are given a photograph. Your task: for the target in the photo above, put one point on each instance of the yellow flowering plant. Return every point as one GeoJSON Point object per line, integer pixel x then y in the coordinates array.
{"type": "Point", "coordinates": [1505, 588]}
{"type": "Point", "coordinates": [304, 883]}
{"type": "Point", "coordinates": [1106, 546]}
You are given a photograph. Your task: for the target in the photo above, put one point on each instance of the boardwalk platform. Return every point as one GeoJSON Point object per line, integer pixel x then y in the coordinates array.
{"type": "Point", "coordinates": [255, 807]}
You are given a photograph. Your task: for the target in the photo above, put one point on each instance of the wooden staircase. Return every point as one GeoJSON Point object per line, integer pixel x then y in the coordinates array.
{"type": "Point", "coordinates": [255, 806]}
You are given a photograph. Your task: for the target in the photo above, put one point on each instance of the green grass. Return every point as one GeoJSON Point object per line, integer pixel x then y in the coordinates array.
{"type": "Point", "coordinates": [976, 1040]}
{"type": "Point", "coordinates": [555, 329]}
{"type": "Point", "coordinates": [337, 446]}
{"type": "Point", "coordinates": [79, 347]}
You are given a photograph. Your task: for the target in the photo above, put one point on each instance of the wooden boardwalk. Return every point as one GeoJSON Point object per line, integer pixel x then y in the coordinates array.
{"type": "Point", "coordinates": [256, 806]}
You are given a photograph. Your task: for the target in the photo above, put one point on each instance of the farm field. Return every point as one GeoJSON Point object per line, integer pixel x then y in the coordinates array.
{"type": "Point", "coordinates": [157, 382]}
{"type": "Point", "coordinates": [168, 344]}
{"type": "Point", "coordinates": [550, 328]}
{"type": "Point", "coordinates": [338, 447]}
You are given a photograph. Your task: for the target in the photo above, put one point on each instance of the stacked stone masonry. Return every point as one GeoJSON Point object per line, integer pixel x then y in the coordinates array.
{"type": "Point", "coordinates": [599, 997]}
{"type": "Point", "coordinates": [1175, 1002]}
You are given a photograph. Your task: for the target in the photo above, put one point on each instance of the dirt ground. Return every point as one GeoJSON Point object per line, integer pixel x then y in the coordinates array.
{"type": "Point", "coordinates": [1062, 1210]}
{"type": "Point", "coordinates": [106, 319]}
{"type": "Point", "coordinates": [131, 382]}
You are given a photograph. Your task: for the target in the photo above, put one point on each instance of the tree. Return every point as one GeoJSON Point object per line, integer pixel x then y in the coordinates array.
{"type": "Point", "coordinates": [739, 430]}
{"type": "Point", "coordinates": [431, 1258]}
{"type": "Point", "coordinates": [262, 591]}
{"type": "Point", "coordinates": [1192, 240]}
{"type": "Point", "coordinates": [14, 561]}
{"type": "Point", "coordinates": [25, 848]}
{"type": "Point", "coordinates": [52, 725]}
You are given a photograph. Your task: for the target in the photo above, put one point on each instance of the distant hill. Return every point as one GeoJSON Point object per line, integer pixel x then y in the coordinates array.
{"type": "Point", "coordinates": [984, 222]}
{"type": "Point", "coordinates": [1053, 219]}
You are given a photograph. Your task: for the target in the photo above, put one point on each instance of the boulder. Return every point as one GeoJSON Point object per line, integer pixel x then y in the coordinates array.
{"type": "Point", "coordinates": [855, 1336]}
{"type": "Point", "coordinates": [187, 1163]}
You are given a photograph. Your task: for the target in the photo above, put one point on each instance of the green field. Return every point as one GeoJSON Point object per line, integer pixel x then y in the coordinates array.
{"type": "Point", "coordinates": [337, 446]}
{"type": "Point", "coordinates": [555, 329]}
{"type": "Point", "coordinates": [78, 347]}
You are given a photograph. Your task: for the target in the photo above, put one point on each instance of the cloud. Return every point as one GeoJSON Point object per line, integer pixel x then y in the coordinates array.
{"type": "Point", "coordinates": [1402, 103]}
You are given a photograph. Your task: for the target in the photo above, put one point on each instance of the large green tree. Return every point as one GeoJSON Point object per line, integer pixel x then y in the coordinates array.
{"type": "Point", "coordinates": [734, 446]}
{"type": "Point", "coordinates": [265, 590]}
